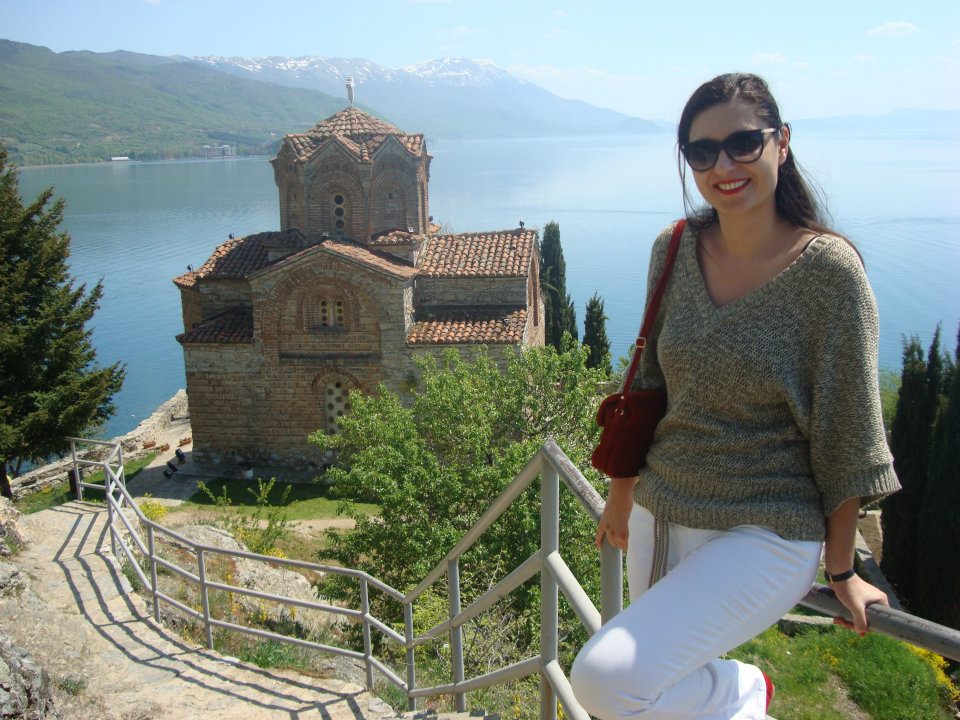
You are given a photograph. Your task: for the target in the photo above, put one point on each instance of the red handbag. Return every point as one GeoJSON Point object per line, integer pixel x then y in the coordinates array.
{"type": "Point", "coordinates": [629, 419]}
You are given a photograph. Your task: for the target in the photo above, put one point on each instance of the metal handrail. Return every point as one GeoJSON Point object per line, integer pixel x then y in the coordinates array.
{"type": "Point", "coordinates": [118, 496]}
{"type": "Point", "coordinates": [551, 465]}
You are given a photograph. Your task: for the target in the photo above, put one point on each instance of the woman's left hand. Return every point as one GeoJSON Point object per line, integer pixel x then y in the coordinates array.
{"type": "Point", "coordinates": [856, 594]}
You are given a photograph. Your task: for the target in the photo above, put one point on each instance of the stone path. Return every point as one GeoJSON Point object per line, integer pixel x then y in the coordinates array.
{"type": "Point", "coordinates": [80, 621]}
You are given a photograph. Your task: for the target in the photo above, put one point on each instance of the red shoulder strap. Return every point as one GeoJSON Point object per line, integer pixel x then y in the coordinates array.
{"type": "Point", "coordinates": [654, 307]}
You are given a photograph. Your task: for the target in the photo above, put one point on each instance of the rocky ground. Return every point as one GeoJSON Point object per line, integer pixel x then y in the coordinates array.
{"type": "Point", "coordinates": [76, 642]}
{"type": "Point", "coordinates": [73, 614]}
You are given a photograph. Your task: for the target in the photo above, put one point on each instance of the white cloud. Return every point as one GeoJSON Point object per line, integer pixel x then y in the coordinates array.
{"type": "Point", "coordinates": [893, 29]}
{"type": "Point", "coordinates": [151, 2]}
{"type": "Point", "coordinates": [864, 58]}
{"type": "Point", "coordinates": [449, 38]}
{"type": "Point", "coordinates": [559, 13]}
{"type": "Point", "coordinates": [802, 65]}
{"type": "Point", "coordinates": [535, 73]}
{"type": "Point", "coordinates": [774, 58]}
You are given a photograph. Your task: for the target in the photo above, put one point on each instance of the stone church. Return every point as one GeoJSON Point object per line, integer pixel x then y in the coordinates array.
{"type": "Point", "coordinates": [280, 326]}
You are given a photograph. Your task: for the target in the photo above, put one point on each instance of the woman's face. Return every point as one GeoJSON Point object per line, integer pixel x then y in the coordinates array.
{"type": "Point", "coordinates": [737, 187]}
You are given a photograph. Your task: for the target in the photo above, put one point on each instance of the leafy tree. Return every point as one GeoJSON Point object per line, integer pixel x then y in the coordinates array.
{"type": "Point", "coordinates": [910, 439]}
{"type": "Point", "coordinates": [51, 387]}
{"type": "Point", "coordinates": [938, 535]}
{"type": "Point", "coordinates": [435, 467]}
{"type": "Point", "coordinates": [595, 335]}
{"type": "Point", "coordinates": [559, 312]}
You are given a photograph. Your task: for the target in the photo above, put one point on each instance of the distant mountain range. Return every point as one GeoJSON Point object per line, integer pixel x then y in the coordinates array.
{"type": "Point", "coordinates": [86, 107]}
{"type": "Point", "coordinates": [452, 97]}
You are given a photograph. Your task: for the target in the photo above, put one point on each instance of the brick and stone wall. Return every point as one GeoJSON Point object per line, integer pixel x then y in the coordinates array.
{"type": "Point", "coordinates": [218, 295]}
{"type": "Point", "coordinates": [472, 291]}
{"type": "Point", "coordinates": [259, 401]}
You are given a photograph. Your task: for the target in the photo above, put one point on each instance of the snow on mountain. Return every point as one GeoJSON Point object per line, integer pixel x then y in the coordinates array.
{"type": "Point", "coordinates": [448, 97]}
{"type": "Point", "coordinates": [313, 66]}
{"type": "Point", "coordinates": [461, 72]}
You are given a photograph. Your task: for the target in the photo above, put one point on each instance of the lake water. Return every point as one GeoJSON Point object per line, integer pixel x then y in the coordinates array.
{"type": "Point", "coordinates": [138, 225]}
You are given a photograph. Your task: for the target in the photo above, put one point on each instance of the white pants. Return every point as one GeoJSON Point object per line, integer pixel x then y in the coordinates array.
{"type": "Point", "coordinates": [658, 658]}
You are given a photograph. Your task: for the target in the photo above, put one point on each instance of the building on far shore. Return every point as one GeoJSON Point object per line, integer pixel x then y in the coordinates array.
{"type": "Point", "coordinates": [280, 326]}
{"type": "Point", "coordinates": [215, 151]}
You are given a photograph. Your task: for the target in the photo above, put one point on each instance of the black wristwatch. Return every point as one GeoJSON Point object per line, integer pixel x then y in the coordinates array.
{"type": "Point", "coordinates": [839, 577]}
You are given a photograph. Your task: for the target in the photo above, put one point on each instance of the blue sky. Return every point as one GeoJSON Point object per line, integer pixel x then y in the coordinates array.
{"type": "Point", "coordinates": [822, 57]}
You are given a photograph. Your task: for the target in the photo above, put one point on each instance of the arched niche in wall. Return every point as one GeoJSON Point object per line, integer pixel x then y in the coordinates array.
{"type": "Point", "coordinates": [393, 200]}
{"type": "Point", "coordinates": [331, 388]}
{"type": "Point", "coordinates": [331, 306]}
{"type": "Point", "coordinates": [335, 205]}
{"type": "Point", "coordinates": [291, 212]}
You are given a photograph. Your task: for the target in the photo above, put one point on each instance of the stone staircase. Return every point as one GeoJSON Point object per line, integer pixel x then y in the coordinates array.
{"type": "Point", "coordinates": [80, 621]}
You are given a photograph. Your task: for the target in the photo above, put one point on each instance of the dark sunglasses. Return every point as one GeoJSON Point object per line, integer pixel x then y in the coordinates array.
{"type": "Point", "coordinates": [744, 146]}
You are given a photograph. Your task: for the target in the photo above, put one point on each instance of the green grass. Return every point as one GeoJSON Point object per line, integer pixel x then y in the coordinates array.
{"type": "Point", "coordinates": [306, 501]}
{"type": "Point", "coordinates": [822, 669]}
{"type": "Point", "coordinates": [58, 494]}
{"type": "Point", "coordinates": [71, 685]}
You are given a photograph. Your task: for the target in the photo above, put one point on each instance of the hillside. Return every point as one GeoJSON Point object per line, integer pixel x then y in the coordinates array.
{"type": "Point", "coordinates": [83, 106]}
{"type": "Point", "coordinates": [86, 107]}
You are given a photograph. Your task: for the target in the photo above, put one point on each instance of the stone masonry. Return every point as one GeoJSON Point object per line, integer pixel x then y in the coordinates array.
{"type": "Point", "coordinates": [280, 326]}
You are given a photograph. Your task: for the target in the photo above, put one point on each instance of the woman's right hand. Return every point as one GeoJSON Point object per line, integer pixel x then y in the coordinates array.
{"type": "Point", "coordinates": [616, 513]}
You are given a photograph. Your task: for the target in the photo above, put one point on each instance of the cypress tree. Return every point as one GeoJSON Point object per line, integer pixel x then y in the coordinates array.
{"type": "Point", "coordinates": [910, 439]}
{"type": "Point", "coordinates": [938, 536]}
{"type": "Point", "coordinates": [560, 314]}
{"type": "Point", "coordinates": [51, 387]}
{"type": "Point", "coordinates": [595, 335]}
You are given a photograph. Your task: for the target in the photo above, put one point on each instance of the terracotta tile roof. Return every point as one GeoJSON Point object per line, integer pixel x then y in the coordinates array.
{"type": "Point", "coordinates": [371, 258]}
{"type": "Point", "coordinates": [469, 326]}
{"type": "Point", "coordinates": [392, 238]}
{"type": "Point", "coordinates": [353, 121]}
{"type": "Point", "coordinates": [505, 253]}
{"type": "Point", "coordinates": [232, 326]}
{"type": "Point", "coordinates": [360, 134]}
{"type": "Point", "coordinates": [414, 143]}
{"type": "Point", "coordinates": [187, 279]}
{"type": "Point", "coordinates": [236, 258]}
{"type": "Point", "coordinates": [241, 257]}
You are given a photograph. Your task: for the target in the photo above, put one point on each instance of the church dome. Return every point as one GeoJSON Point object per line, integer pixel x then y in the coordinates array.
{"type": "Point", "coordinates": [353, 123]}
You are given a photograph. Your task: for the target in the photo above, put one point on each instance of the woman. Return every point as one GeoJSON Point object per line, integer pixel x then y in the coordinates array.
{"type": "Point", "coordinates": [766, 341]}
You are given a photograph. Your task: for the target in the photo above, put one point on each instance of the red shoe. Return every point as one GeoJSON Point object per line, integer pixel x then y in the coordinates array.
{"type": "Point", "coordinates": [770, 689]}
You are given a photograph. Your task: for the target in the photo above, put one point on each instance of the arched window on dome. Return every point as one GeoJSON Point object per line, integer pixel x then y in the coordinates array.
{"type": "Point", "coordinates": [339, 203]}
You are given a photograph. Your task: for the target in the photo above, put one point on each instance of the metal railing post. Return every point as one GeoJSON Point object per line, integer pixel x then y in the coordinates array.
{"type": "Point", "coordinates": [611, 581]}
{"type": "Point", "coordinates": [108, 489]}
{"type": "Point", "coordinates": [76, 469]}
{"type": "Point", "coordinates": [153, 573]}
{"type": "Point", "coordinates": [549, 543]}
{"type": "Point", "coordinates": [456, 633]}
{"type": "Point", "coordinates": [204, 597]}
{"type": "Point", "coordinates": [121, 476]}
{"type": "Point", "coordinates": [411, 668]}
{"type": "Point", "coordinates": [365, 609]}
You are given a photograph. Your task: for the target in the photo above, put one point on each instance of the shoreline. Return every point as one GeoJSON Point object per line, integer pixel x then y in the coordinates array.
{"type": "Point", "coordinates": [119, 163]}
{"type": "Point", "coordinates": [170, 418]}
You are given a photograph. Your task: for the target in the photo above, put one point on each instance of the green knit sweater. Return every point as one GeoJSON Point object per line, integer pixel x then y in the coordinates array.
{"type": "Point", "coordinates": [773, 412]}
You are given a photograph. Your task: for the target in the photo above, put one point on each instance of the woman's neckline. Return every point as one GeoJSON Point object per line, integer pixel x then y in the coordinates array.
{"type": "Point", "coordinates": [692, 261]}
